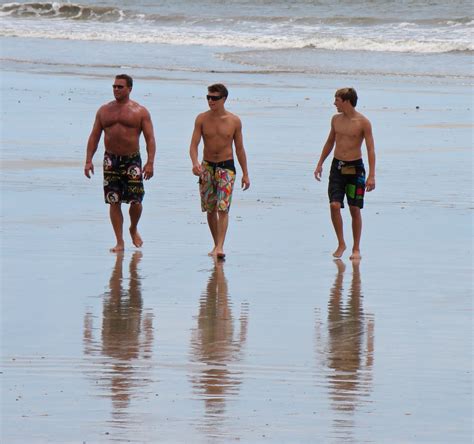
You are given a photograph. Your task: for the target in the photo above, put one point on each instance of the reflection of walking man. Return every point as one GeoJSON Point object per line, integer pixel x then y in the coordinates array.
{"type": "Point", "coordinates": [215, 344]}
{"type": "Point", "coordinates": [349, 128]}
{"type": "Point", "coordinates": [123, 121]}
{"type": "Point", "coordinates": [220, 129]}
{"type": "Point", "coordinates": [347, 326]}
{"type": "Point", "coordinates": [126, 335]}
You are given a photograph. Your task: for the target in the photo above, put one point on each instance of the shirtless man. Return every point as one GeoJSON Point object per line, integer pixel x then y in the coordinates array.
{"type": "Point", "coordinates": [347, 176]}
{"type": "Point", "coordinates": [123, 121]}
{"type": "Point", "coordinates": [220, 129]}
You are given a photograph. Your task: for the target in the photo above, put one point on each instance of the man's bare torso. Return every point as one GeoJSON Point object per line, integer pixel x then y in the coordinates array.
{"type": "Point", "coordinates": [349, 136]}
{"type": "Point", "coordinates": [122, 125]}
{"type": "Point", "coordinates": [218, 135]}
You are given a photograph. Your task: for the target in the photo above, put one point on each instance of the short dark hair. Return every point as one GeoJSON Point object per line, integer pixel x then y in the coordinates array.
{"type": "Point", "coordinates": [127, 78]}
{"type": "Point", "coordinates": [218, 88]}
{"type": "Point", "coordinates": [347, 94]}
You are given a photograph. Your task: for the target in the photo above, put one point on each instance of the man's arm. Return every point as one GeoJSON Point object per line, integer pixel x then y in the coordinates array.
{"type": "Point", "coordinates": [328, 146]}
{"type": "Point", "coordinates": [193, 148]}
{"type": "Point", "coordinates": [369, 142]}
{"type": "Point", "coordinates": [241, 155]}
{"type": "Point", "coordinates": [92, 145]}
{"type": "Point", "coordinates": [148, 133]}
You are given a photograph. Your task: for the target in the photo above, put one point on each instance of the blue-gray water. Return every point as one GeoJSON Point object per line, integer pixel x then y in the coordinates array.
{"type": "Point", "coordinates": [383, 37]}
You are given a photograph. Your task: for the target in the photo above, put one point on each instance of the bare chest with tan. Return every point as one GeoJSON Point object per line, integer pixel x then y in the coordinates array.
{"type": "Point", "coordinates": [122, 128]}
{"type": "Point", "coordinates": [218, 135]}
{"type": "Point", "coordinates": [349, 137]}
{"type": "Point", "coordinates": [349, 128]}
{"type": "Point", "coordinates": [219, 130]}
{"type": "Point", "coordinates": [127, 117]}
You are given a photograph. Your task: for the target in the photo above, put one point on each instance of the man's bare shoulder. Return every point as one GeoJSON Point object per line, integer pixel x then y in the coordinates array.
{"type": "Point", "coordinates": [234, 117]}
{"type": "Point", "coordinates": [201, 118]}
{"type": "Point", "coordinates": [108, 106]}
{"type": "Point", "coordinates": [336, 118]}
{"type": "Point", "coordinates": [204, 115]}
{"type": "Point", "coordinates": [136, 107]}
{"type": "Point", "coordinates": [361, 116]}
{"type": "Point", "coordinates": [364, 121]}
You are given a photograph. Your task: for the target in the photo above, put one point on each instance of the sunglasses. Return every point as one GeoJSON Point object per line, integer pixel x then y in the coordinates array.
{"type": "Point", "coordinates": [214, 98]}
{"type": "Point", "coordinates": [118, 86]}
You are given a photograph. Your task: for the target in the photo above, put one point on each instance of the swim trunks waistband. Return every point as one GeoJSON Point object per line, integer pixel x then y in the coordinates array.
{"type": "Point", "coordinates": [123, 156]}
{"type": "Point", "coordinates": [226, 164]}
{"type": "Point", "coordinates": [348, 162]}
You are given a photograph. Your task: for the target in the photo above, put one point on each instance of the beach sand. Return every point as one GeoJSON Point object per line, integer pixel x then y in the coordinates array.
{"type": "Point", "coordinates": [277, 344]}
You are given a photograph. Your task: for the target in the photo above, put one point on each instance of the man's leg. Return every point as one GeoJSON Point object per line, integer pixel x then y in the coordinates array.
{"type": "Point", "coordinates": [338, 228]}
{"type": "Point", "coordinates": [222, 224]}
{"type": "Point", "coordinates": [135, 212]}
{"type": "Point", "coordinates": [356, 231]}
{"type": "Point", "coordinates": [213, 227]}
{"type": "Point", "coordinates": [116, 217]}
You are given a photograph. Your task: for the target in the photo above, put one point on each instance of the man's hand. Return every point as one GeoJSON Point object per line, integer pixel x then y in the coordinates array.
{"type": "Point", "coordinates": [148, 170]}
{"type": "Point", "coordinates": [88, 169]}
{"type": "Point", "coordinates": [197, 169]}
{"type": "Point", "coordinates": [245, 182]}
{"type": "Point", "coordinates": [318, 173]}
{"type": "Point", "coordinates": [370, 183]}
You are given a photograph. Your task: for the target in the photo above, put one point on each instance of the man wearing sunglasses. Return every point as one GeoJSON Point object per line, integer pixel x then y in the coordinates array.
{"type": "Point", "coordinates": [123, 121]}
{"type": "Point", "coordinates": [220, 130]}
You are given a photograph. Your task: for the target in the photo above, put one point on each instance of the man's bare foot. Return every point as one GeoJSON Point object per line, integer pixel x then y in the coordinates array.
{"type": "Point", "coordinates": [212, 252]}
{"type": "Point", "coordinates": [355, 255]}
{"type": "Point", "coordinates": [136, 239]}
{"type": "Point", "coordinates": [340, 250]}
{"type": "Point", "coordinates": [219, 253]}
{"type": "Point", "coordinates": [119, 247]}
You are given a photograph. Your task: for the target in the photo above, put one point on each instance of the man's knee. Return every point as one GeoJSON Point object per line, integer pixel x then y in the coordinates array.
{"type": "Point", "coordinates": [355, 211]}
{"type": "Point", "coordinates": [335, 206]}
{"type": "Point", "coordinates": [223, 214]}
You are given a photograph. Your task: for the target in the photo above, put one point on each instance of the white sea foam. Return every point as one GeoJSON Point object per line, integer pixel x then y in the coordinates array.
{"type": "Point", "coordinates": [251, 28]}
{"type": "Point", "coordinates": [393, 41]}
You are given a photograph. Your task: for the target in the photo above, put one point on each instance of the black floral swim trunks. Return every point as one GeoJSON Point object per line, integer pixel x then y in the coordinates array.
{"type": "Point", "coordinates": [123, 180]}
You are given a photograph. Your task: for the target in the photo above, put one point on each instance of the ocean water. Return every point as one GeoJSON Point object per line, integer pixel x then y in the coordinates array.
{"type": "Point", "coordinates": [405, 37]}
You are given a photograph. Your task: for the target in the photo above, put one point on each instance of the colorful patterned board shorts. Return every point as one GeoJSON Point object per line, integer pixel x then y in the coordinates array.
{"type": "Point", "coordinates": [347, 178]}
{"type": "Point", "coordinates": [216, 184]}
{"type": "Point", "coordinates": [123, 180]}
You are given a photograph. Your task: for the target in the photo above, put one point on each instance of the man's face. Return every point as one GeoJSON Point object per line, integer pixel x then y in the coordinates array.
{"type": "Point", "coordinates": [215, 100]}
{"type": "Point", "coordinates": [120, 88]}
{"type": "Point", "coordinates": [338, 103]}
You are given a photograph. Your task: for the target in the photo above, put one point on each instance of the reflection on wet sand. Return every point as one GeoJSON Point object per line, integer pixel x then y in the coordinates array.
{"type": "Point", "coordinates": [215, 344]}
{"type": "Point", "coordinates": [348, 350]}
{"type": "Point", "coordinates": [125, 346]}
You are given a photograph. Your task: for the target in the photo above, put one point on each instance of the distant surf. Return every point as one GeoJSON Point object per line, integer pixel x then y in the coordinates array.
{"type": "Point", "coordinates": [236, 28]}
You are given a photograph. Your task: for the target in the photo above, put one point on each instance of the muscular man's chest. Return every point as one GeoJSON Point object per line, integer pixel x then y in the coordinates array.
{"type": "Point", "coordinates": [127, 119]}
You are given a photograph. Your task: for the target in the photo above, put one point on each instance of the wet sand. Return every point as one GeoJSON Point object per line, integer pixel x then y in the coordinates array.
{"type": "Point", "coordinates": [279, 343]}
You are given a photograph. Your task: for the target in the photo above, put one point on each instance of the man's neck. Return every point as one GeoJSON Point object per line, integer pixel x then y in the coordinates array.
{"type": "Point", "coordinates": [350, 113]}
{"type": "Point", "coordinates": [122, 101]}
{"type": "Point", "coordinates": [218, 112]}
